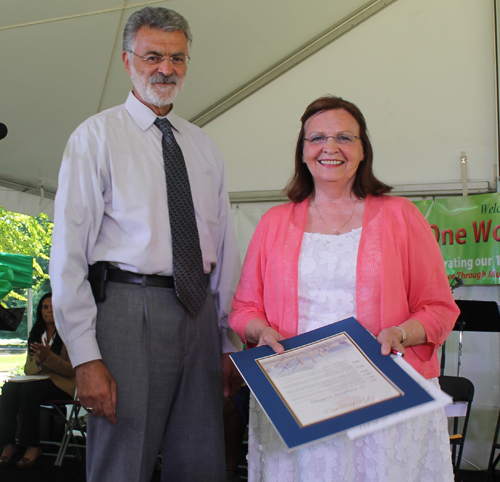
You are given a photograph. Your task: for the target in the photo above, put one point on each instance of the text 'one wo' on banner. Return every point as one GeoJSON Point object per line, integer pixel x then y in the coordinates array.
{"type": "Point", "coordinates": [468, 232]}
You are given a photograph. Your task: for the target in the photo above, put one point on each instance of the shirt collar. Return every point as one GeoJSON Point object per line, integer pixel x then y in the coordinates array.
{"type": "Point", "coordinates": [44, 338]}
{"type": "Point", "coordinates": [144, 116]}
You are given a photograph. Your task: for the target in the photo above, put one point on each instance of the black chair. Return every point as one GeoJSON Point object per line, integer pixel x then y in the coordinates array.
{"type": "Point", "coordinates": [494, 447]}
{"type": "Point", "coordinates": [462, 391]}
{"type": "Point", "coordinates": [72, 423]}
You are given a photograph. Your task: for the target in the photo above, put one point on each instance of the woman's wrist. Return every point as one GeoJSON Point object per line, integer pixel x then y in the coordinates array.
{"type": "Point", "coordinates": [411, 332]}
{"type": "Point", "coordinates": [404, 339]}
{"type": "Point", "coordinates": [254, 329]}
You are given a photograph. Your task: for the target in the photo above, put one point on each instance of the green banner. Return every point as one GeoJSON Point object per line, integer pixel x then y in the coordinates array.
{"type": "Point", "coordinates": [6, 278]}
{"type": "Point", "coordinates": [16, 271]}
{"type": "Point", "coordinates": [468, 232]}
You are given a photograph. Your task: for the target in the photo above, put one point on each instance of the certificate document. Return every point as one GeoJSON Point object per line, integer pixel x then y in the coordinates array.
{"type": "Point", "coordinates": [333, 380]}
{"type": "Point", "coordinates": [327, 378]}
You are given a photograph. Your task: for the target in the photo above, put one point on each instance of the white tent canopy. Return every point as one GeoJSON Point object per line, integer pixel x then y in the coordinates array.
{"type": "Point", "coordinates": [422, 71]}
{"type": "Point", "coordinates": [63, 64]}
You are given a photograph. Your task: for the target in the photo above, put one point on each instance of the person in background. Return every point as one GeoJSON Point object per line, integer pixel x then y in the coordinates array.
{"type": "Point", "coordinates": [343, 248]}
{"type": "Point", "coordinates": [47, 356]}
{"type": "Point", "coordinates": [142, 199]}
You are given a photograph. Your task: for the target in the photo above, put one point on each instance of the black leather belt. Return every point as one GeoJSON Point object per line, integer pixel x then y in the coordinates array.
{"type": "Point", "coordinates": [119, 276]}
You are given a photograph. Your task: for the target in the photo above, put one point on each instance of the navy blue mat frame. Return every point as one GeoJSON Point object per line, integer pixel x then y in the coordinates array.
{"type": "Point", "coordinates": [293, 435]}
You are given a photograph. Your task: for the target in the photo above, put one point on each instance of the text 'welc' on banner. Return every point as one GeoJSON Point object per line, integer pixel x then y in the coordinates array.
{"type": "Point", "coordinates": [468, 232]}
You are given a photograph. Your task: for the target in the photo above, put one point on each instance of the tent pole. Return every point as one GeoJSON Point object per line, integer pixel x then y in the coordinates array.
{"type": "Point", "coordinates": [30, 311]}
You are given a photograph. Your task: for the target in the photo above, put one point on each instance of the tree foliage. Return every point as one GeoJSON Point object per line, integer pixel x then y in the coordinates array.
{"type": "Point", "coordinates": [32, 236]}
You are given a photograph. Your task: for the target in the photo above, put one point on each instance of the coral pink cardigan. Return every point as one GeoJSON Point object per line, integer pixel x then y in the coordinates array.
{"type": "Point", "coordinates": [400, 275]}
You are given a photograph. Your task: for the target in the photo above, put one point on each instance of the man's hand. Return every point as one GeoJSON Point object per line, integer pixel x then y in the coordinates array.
{"type": "Point", "coordinates": [232, 380]}
{"type": "Point", "coordinates": [97, 389]}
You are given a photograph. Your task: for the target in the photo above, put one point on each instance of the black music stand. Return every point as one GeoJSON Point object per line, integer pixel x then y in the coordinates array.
{"type": "Point", "coordinates": [481, 316]}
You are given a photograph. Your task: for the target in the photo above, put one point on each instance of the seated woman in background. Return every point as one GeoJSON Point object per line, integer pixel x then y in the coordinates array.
{"type": "Point", "coordinates": [344, 248]}
{"type": "Point", "coordinates": [48, 356]}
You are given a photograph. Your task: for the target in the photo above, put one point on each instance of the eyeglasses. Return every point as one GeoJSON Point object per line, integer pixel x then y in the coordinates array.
{"type": "Point", "coordinates": [177, 60]}
{"type": "Point", "coordinates": [342, 139]}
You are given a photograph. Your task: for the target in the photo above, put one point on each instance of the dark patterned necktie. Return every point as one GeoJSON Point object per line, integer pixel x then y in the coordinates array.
{"type": "Point", "coordinates": [189, 278]}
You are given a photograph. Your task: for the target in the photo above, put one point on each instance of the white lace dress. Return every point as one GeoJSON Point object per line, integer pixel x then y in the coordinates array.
{"type": "Point", "coordinates": [417, 450]}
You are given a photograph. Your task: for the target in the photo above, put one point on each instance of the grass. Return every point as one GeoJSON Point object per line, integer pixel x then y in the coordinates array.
{"type": "Point", "coordinates": [9, 362]}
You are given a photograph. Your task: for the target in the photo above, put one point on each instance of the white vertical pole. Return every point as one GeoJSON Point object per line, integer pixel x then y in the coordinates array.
{"type": "Point", "coordinates": [463, 172]}
{"type": "Point", "coordinates": [497, 90]}
{"type": "Point", "coordinates": [30, 311]}
{"type": "Point", "coordinates": [460, 343]}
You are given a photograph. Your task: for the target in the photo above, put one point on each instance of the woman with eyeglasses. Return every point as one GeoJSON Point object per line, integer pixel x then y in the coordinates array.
{"type": "Point", "coordinates": [342, 247]}
{"type": "Point", "coordinates": [47, 356]}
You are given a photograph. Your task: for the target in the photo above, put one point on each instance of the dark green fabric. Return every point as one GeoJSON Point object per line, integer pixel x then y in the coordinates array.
{"type": "Point", "coordinates": [16, 271]}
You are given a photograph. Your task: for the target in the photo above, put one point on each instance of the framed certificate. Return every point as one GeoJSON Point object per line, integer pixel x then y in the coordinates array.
{"type": "Point", "coordinates": [328, 381]}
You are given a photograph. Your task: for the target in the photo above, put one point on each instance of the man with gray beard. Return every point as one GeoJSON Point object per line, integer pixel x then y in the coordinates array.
{"type": "Point", "coordinates": [143, 267]}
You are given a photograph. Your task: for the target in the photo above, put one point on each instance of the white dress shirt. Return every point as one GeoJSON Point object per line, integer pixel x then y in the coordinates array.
{"type": "Point", "coordinates": [111, 205]}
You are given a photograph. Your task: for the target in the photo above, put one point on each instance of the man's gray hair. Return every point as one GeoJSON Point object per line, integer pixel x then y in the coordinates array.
{"type": "Point", "coordinates": [154, 17]}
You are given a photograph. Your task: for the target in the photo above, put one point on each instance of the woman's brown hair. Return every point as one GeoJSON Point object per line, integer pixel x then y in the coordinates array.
{"type": "Point", "coordinates": [301, 184]}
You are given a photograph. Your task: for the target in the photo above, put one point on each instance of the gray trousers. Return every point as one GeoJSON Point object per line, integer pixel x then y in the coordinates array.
{"type": "Point", "coordinates": [167, 368]}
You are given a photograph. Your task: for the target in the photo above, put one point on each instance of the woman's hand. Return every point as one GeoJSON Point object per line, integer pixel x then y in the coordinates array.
{"type": "Point", "coordinates": [259, 332]}
{"type": "Point", "coordinates": [392, 338]}
{"type": "Point", "coordinates": [271, 337]}
{"type": "Point", "coordinates": [41, 351]}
